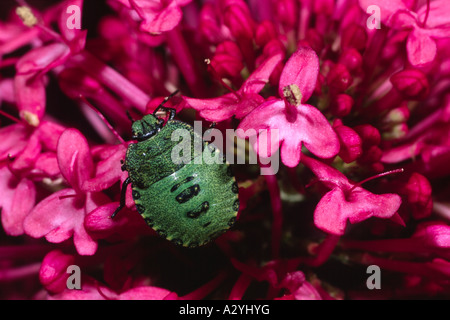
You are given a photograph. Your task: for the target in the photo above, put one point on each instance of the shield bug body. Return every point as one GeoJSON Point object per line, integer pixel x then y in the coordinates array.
{"type": "Point", "coordinates": [190, 202]}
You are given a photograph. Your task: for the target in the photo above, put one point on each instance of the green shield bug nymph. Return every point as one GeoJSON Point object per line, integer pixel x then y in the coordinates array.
{"type": "Point", "coordinates": [190, 202]}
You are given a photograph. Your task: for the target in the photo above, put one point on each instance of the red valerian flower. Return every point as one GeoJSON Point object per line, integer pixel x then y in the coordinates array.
{"type": "Point", "coordinates": [347, 201]}
{"type": "Point", "coordinates": [348, 102]}
{"type": "Point", "coordinates": [426, 26]}
{"type": "Point", "coordinates": [157, 15]}
{"type": "Point", "coordinates": [62, 214]}
{"type": "Point", "coordinates": [297, 123]}
{"type": "Point", "coordinates": [240, 102]}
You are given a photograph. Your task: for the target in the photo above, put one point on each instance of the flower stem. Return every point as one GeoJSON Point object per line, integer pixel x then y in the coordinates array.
{"type": "Point", "coordinates": [277, 222]}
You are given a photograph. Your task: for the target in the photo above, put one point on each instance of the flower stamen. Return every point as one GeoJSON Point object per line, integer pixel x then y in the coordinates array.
{"type": "Point", "coordinates": [358, 184]}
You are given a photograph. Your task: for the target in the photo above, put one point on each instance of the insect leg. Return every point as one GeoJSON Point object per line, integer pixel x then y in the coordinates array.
{"type": "Point", "coordinates": [123, 194]}
{"type": "Point", "coordinates": [172, 111]}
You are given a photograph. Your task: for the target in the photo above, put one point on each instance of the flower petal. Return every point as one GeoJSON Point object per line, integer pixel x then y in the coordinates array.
{"type": "Point", "coordinates": [335, 208]}
{"type": "Point", "coordinates": [74, 158]}
{"type": "Point", "coordinates": [317, 134]}
{"type": "Point", "coordinates": [14, 139]}
{"type": "Point", "coordinates": [158, 16]}
{"type": "Point", "coordinates": [144, 293]}
{"type": "Point", "coordinates": [22, 203]}
{"type": "Point", "coordinates": [58, 217]}
{"type": "Point", "coordinates": [54, 216]}
{"type": "Point", "coordinates": [107, 170]}
{"type": "Point", "coordinates": [301, 69]}
{"type": "Point", "coordinates": [421, 47]}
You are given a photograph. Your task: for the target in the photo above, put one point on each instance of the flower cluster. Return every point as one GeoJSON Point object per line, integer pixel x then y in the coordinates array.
{"type": "Point", "coordinates": [362, 115]}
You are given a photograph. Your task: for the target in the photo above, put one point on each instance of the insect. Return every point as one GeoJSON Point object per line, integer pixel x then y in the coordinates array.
{"type": "Point", "coordinates": [189, 203]}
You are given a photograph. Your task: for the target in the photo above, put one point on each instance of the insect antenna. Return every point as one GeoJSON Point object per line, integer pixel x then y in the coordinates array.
{"type": "Point", "coordinates": [129, 116]}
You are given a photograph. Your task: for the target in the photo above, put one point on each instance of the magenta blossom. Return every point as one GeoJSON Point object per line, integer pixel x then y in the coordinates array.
{"type": "Point", "coordinates": [347, 201]}
{"type": "Point", "coordinates": [297, 123]}
{"type": "Point", "coordinates": [241, 102]}
{"type": "Point", "coordinates": [157, 15]}
{"type": "Point", "coordinates": [62, 214]}
{"type": "Point", "coordinates": [307, 80]}
{"type": "Point", "coordinates": [426, 26]}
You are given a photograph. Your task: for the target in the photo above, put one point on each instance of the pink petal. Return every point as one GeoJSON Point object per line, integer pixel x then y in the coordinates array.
{"type": "Point", "coordinates": [74, 158]}
{"type": "Point", "coordinates": [42, 59]}
{"type": "Point", "coordinates": [421, 48]}
{"type": "Point", "coordinates": [99, 220]}
{"type": "Point", "coordinates": [22, 203]}
{"type": "Point", "coordinates": [335, 208]}
{"type": "Point", "coordinates": [47, 164]}
{"type": "Point", "coordinates": [158, 16]}
{"type": "Point", "coordinates": [54, 216]}
{"type": "Point", "coordinates": [290, 152]}
{"type": "Point", "coordinates": [7, 190]}
{"type": "Point", "coordinates": [108, 171]}
{"type": "Point", "coordinates": [326, 174]}
{"type": "Point", "coordinates": [14, 139]}
{"type": "Point", "coordinates": [387, 7]}
{"type": "Point", "coordinates": [301, 69]}
{"type": "Point", "coordinates": [350, 142]}
{"type": "Point", "coordinates": [26, 159]}
{"type": "Point", "coordinates": [30, 97]}
{"type": "Point", "coordinates": [309, 127]}
{"type": "Point", "coordinates": [318, 136]}
{"type": "Point", "coordinates": [126, 225]}
{"type": "Point", "coordinates": [331, 221]}
{"type": "Point", "coordinates": [307, 292]}
{"type": "Point", "coordinates": [18, 198]}
{"type": "Point", "coordinates": [258, 78]}
{"type": "Point", "coordinates": [49, 133]}
{"type": "Point", "coordinates": [438, 14]}
{"type": "Point", "coordinates": [144, 293]}
{"type": "Point", "coordinates": [7, 90]}
{"type": "Point", "coordinates": [69, 34]}
{"type": "Point", "coordinates": [58, 218]}
{"type": "Point", "coordinates": [224, 107]}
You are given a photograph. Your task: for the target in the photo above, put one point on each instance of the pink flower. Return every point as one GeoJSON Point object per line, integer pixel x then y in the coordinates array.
{"type": "Point", "coordinates": [18, 198]}
{"type": "Point", "coordinates": [297, 123]}
{"type": "Point", "coordinates": [426, 26]}
{"type": "Point", "coordinates": [157, 15]}
{"type": "Point", "coordinates": [347, 201]}
{"type": "Point", "coordinates": [62, 214]}
{"type": "Point", "coordinates": [241, 102]}
{"type": "Point", "coordinates": [306, 78]}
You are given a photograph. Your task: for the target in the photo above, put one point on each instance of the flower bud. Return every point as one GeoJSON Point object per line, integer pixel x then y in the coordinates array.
{"type": "Point", "coordinates": [411, 83]}
{"type": "Point", "coordinates": [342, 105]}
{"type": "Point", "coordinates": [339, 78]}
{"type": "Point", "coordinates": [227, 60]}
{"type": "Point", "coordinates": [349, 140]}
{"type": "Point", "coordinates": [53, 273]}
{"type": "Point", "coordinates": [265, 32]}
{"type": "Point", "coordinates": [287, 12]}
{"type": "Point", "coordinates": [369, 135]}
{"type": "Point", "coordinates": [238, 19]}
{"type": "Point", "coordinates": [351, 58]}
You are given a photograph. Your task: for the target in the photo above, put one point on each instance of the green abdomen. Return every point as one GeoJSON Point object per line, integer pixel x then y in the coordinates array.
{"type": "Point", "coordinates": [191, 206]}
